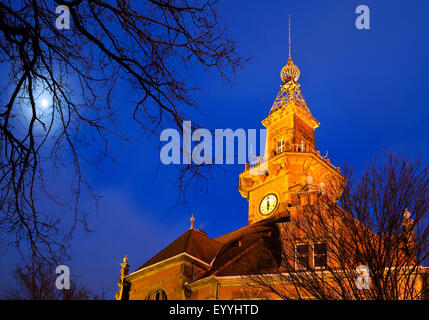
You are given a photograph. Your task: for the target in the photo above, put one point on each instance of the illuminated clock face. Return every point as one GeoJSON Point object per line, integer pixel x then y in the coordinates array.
{"type": "Point", "coordinates": [268, 204]}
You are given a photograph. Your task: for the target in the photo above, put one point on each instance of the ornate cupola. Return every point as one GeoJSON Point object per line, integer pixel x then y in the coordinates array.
{"type": "Point", "coordinates": [291, 165]}
{"type": "Point", "coordinates": [290, 72]}
{"type": "Point", "coordinates": [289, 89]}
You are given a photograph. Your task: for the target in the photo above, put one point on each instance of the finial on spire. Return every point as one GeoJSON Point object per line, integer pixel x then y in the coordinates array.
{"type": "Point", "coordinates": [406, 218]}
{"type": "Point", "coordinates": [125, 267]}
{"type": "Point", "coordinates": [407, 214]}
{"type": "Point", "coordinates": [192, 219]}
{"type": "Point", "coordinates": [290, 72]}
{"type": "Point", "coordinates": [290, 58]}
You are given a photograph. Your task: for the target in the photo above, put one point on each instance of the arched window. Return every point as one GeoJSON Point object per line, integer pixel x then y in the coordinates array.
{"type": "Point", "coordinates": [157, 295]}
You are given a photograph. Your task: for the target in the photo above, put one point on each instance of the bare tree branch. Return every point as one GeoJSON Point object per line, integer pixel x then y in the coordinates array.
{"type": "Point", "coordinates": [109, 44]}
{"type": "Point", "coordinates": [380, 221]}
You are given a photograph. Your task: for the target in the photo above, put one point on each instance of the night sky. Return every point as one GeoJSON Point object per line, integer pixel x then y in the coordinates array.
{"type": "Point", "coordinates": [367, 88]}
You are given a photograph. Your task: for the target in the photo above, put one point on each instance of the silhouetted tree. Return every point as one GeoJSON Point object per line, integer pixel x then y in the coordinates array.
{"type": "Point", "coordinates": [380, 223]}
{"type": "Point", "coordinates": [142, 44]}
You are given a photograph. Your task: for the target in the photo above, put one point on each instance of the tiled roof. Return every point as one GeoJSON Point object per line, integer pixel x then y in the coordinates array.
{"type": "Point", "coordinates": [249, 250]}
{"type": "Point", "coordinates": [193, 242]}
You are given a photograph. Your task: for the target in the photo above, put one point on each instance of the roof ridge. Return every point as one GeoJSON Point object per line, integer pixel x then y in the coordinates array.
{"type": "Point", "coordinates": [237, 256]}
{"type": "Point", "coordinates": [217, 253]}
{"type": "Point", "coordinates": [187, 240]}
{"type": "Point", "coordinates": [165, 248]}
{"type": "Point", "coordinates": [193, 242]}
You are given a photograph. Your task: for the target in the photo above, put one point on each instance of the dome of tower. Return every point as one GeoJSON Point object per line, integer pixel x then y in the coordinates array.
{"type": "Point", "coordinates": [289, 72]}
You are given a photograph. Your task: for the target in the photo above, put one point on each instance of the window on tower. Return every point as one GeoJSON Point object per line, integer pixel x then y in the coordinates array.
{"type": "Point", "coordinates": [280, 146]}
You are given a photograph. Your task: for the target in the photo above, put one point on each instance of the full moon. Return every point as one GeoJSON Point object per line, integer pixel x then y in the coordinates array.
{"type": "Point", "coordinates": [44, 103]}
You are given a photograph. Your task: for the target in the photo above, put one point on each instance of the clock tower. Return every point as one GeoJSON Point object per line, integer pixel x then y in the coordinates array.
{"type": "Point", "coordinates": [292, 172]}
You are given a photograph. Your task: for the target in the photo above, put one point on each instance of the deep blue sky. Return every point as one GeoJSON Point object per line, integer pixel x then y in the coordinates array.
{"type": "Point", "coordinates": [368, 89]}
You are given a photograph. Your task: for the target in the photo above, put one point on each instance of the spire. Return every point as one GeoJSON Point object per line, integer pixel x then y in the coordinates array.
{"type": "Point", "coordinates": [290, 72]}
{"type": "Point", "coordinates": [289, 90]}
{"type": "Point", "coordinates": [290, 58]}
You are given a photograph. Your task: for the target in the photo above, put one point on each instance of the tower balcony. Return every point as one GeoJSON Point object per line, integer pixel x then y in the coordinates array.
{"type": "Point", "coordinates": [291, 148]}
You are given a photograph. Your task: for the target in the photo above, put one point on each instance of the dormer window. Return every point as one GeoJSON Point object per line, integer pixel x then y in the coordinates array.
{"type": "Point", "coordinates": [280, 146]}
